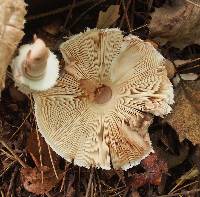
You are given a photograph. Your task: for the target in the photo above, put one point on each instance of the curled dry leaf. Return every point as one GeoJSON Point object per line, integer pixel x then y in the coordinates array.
{"type": "Point", "coordinates": [178, 24]}
{"type": "Point", "coordinates": [107, 18]}
{"type": "Point", "coordinates": [11, 25]}
{"type": "Point", "coordinates": [185, 116]}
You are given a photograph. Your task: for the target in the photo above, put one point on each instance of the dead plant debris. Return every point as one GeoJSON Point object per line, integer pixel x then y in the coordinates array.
{"type": "Point", "coordinates": [29, 167]}
{"type": "Point", "coordinates": [178, 24]}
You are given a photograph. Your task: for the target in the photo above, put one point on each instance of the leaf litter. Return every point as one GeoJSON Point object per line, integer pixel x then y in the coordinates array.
{"type": "Point", "coordinates": [43, 173]}
{"type": "Point", "coordinates": [178, 24]}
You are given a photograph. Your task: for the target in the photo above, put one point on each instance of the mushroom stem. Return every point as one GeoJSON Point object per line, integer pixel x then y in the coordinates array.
{"type": "Point", "coordinates": [35, 64]}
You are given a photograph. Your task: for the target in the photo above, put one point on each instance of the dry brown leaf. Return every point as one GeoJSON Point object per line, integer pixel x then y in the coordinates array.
{"type": "Point", "coordinates": [178, 24]}
{"type": "Point", "coordinates": [11, 23]}
{"type": "Point", "coordinates": [154, 169]}
{"type": "Point", "coordinates": [33, 182]}
{"type": "Point", "coordinates": [107, 18]}
{"type": "Point", "coordinates": [186, 111]}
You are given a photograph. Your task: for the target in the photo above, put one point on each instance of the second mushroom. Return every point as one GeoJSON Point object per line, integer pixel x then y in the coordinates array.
{"type": "Point", "coordinates": [99, 111]}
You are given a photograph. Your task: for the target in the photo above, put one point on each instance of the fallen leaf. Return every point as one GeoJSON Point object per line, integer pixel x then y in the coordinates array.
{"type": "Point", "coordinates": [43, 177]}
{"type": "Point", "coordinates": [186, 111]}
{"type": "Point", "coordinates": [107, 18]}
{"type": "Point", "coordinates": [178, 24]}
{"type": "Point", "coordinates": [33, 181]}
{"type": "Point", "coordinates": [154, 168]}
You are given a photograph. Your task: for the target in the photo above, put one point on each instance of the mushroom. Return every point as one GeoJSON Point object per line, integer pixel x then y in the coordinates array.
{"type": "Point", "coordinates": [11, 25]}
{"type": "Point", "coordinates": [36, 68]}
{"type": "Point", "coordinates": [99, 111]}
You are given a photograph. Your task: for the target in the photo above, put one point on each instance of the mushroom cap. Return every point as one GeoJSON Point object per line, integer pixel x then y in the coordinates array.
{"type": "Point", "coordinates": [50, 72]}
{"type": "Point", "coordinates": [89, 131]}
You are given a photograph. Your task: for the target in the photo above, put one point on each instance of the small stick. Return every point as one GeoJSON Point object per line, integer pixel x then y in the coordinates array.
{"type": "Point", "coordinates": [125, 15]}
{"type": "Point", "coordinates": [2, 194]}
{"type": "Point", "coordinates": [21, 125]}
{"type": "Point", "coordinates": [69, 14]}
{"type": "Point", "coordinates": [64, 177]}
{"type": "Point", "coordinates": [185, 193]}
{"type": "Point", "coordinates": [57, 11]}
{"type": "Point", "coordinates": [90, 182]}
{"type": "Point", "coordinates": [85, 12]}
{"type": "Point", "coordinates": [132, 14]}
{"type": "Point", "coordinates": [16, 157]}
{"type": "Point", "coordinates": [40, 153]}
{"type": "Point", "coordinates": [51, 158]}
{"type": "Point", "coordinates": [195, 4]}
{"type": "Point", "coordinates": [175, 191]}
{"type": "Point", "coordinates": [10, 190]}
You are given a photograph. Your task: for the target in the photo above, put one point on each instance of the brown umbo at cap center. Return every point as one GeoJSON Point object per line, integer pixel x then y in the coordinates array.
{"type": "Point", "coordinates": [103, 94]}
{"type": "Point", "coordinates": [95, 92]}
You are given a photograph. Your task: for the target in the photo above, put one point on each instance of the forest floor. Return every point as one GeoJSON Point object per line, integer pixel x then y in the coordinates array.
{"type": "Point", "coordinates": [173, 170]}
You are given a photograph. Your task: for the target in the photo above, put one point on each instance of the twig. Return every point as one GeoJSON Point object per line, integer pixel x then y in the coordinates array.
{"type": "Point", "coordinates": [48, 194]}
{"type": "Point", "coordinates": [10, 190]}
{"type": "Point", "coordinates": [57, 11]}
{"type": "Point", "coordinates": [189, 1]}
{"type": "Point", "coordinates": [99, 184]}
{"type": "Point", "coordinates": [85, 12]}
{"type": "Point", "coordinates": [138, 28]}
{"type": "Point", "coordinates": [69, 14]}
{"type": "Point", "coordinates": [51, 158]}
{"type": "Point", "coordinates": [90, 182]}
{"type": "Point", "coordinates": [125, 15]}
{"type": "Point", "coordinates": [132, 14]}
{"type": "Point", "coordinates": [9, 156]}
{"type": "Point", "coordinates": [7, 168]}
{"type": "Point", "coordinates": [64, 177]}
{"type": "Point", "coordinates": [150, 3]}
{"type": "Point", "coordinates": [17, 158]}
{"type": "Point", "coordinates": [21, 125]}
{"type": "Point", "coordinates": [189, 66]}
{"type": "Point", "coordinates": [2, 194]}
{"type": "Point", "coordinates": [40, 153]}
{"type": "Point", "coordinates": [185, 193]}
{"type": "Point", "coordinates": [175, 191]}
